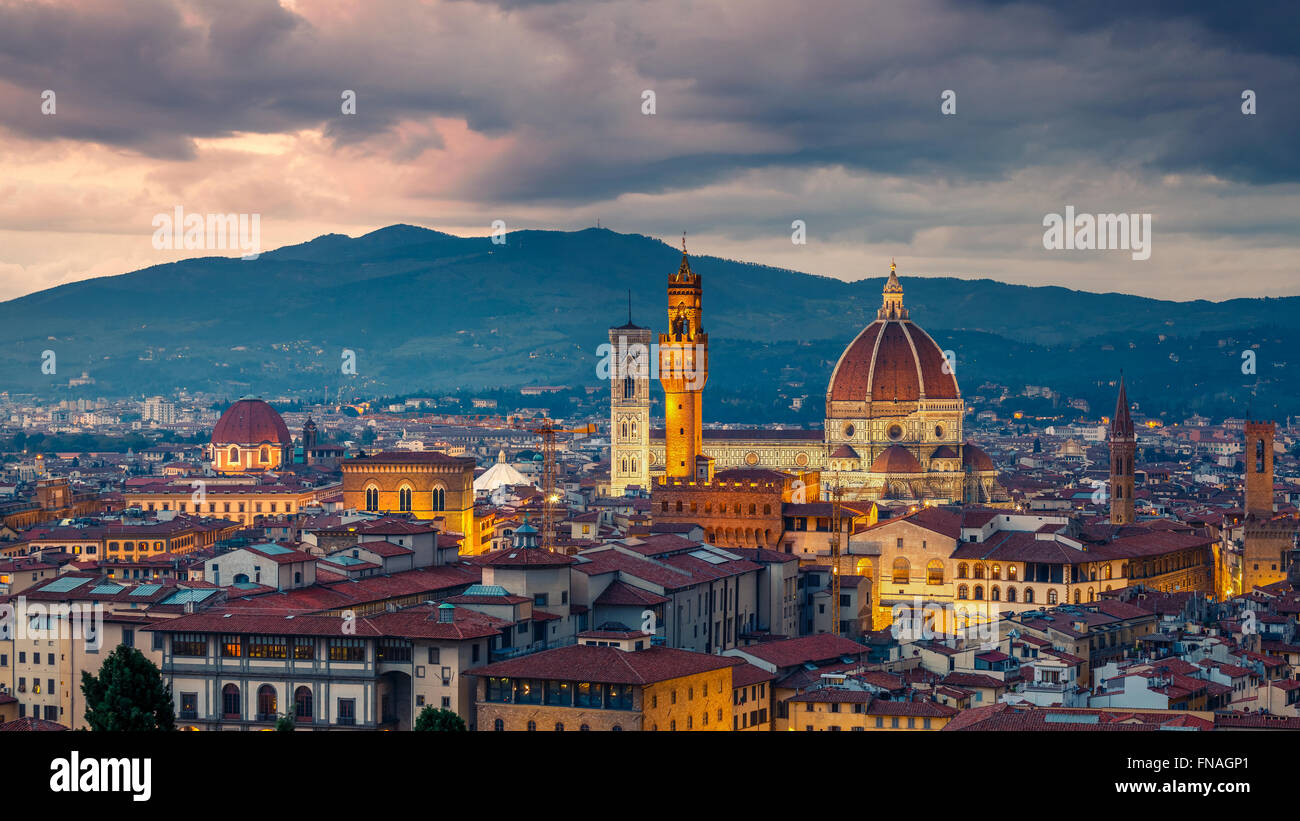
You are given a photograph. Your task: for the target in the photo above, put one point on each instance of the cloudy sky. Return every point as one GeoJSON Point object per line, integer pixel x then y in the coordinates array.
{"type": "Point", "coordinates": [765, 112]}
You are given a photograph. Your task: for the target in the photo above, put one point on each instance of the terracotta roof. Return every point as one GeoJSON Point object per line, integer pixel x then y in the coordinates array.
{"type": "Point", "coordinates": [896, 459]}
{"type": "Point", "coordinates": [892, 360]}
{"type": "Point", "coordinates": [251, 422]}
{"type": "Point", "coordinates": [606, 665]}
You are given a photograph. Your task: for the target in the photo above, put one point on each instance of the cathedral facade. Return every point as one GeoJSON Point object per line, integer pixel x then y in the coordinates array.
{"type": "Point", "coordinates": [894, 415]}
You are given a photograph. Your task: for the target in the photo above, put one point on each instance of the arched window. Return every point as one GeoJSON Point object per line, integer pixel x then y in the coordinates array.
{"type": "Point", "coordinates": [266, 703]}
{"type": "Point", "coordinates": [997, 572]}
{"type": "Point", "coordinates": [559, 726]}
{"type": "Point", "coordinates": [1092, 595]}
{"type": "Point", "coordinates": [532, 726]}
{"type": "Point", "coordinates": [1077, 595]}
{"type": "Point", "coordinates": [233, 456]}
{"type": "Point", "coordinates": [372, 498]}
{"type": "Point", "coordinates": [902, 570]}
{"type": "Point", "coordinates": [995, 593]}
{"type": "Point", "coordinates": [439, 499]}
{"type": "Point", "coordinates": [979, 592]}
{"type": "Point", "coordinates": [230, 706]}
{"type": "Point", "coordinates": [1011, 594]}
{"type": "Point", "coordinates": [585, 728]}
{"type": "Point", "coordinates": [979, 570]}
{"type": "Point", "coordinates": [629, 388]}
{"type": "Point", "coordinates": [1051, 596]}
{"type": "Point", "coordinates": [266, 455]}
{"type": "Point", "coordinates": [1029, 595]}
{"type": "Point", "coordinates": [404, 498]}
{"type": "Point", "coordinates": [963, 592]}
{"type": "Point", "coordinates": [963, 571]}
{"type": "Point", "coordinates": [498, 725]}
{"type": "Point", "coordinates": [934, 572]}
{"type": "Point", "coordinates": [1012, 572]}
{"type": "Point", "coordinates": [618, 728]}
{"type": "Point", "coordinates": [302, 704]}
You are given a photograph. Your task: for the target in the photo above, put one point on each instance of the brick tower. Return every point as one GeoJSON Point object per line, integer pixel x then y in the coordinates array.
{"type": "Point", "coordinates": [1259, 469]}
{"type": "Point", "coordinates": [1123, 445]}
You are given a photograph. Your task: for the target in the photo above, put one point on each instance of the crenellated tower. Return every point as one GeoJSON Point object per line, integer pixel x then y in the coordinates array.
{"type": "Point", "coordinates": [683, 370]}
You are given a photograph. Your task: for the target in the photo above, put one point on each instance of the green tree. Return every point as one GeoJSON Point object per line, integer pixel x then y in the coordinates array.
{"type": "Point", "coordinates": [128, 695]}
{"type": "Point", "coordinates": [439, 720]}
{"type": "Point", "coordinates": [284, 724]}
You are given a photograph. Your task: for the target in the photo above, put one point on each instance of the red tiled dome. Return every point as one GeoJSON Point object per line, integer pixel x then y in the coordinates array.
{"type": "Point", "coordinates": [896, 459]}
{"type": "Point", "coordinates": [973, 458]}
{"type": "Point", "coordinates": [892, 360]}
{"type": "Point", "coordinates": [251, 422]}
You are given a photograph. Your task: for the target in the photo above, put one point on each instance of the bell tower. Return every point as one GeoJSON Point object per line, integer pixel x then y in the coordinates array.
{"type": "Point", "coordinates": [1259, 469]}
{"type": "Point", "coordinates": [629, 406]}
{"type": "Point", "coordinates": [683, 370]}
{"type": "Point", "coordinates": [1123, 445]}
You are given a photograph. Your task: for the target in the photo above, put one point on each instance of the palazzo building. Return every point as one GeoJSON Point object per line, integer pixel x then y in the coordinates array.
{"type": "Point", "coordinates": [425, 484]}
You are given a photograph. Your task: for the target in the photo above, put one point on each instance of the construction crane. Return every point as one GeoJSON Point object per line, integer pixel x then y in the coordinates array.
{"type": "Point", "coordinates": [837, 517]}
{"type": "Point", "coordinates": [547, 431]}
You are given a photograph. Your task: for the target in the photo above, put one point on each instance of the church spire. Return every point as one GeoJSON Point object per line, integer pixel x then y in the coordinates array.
{"type": "Point", "coordinates": [1122, 423]}
{"type": "Point", "coordinates": [891, 306]}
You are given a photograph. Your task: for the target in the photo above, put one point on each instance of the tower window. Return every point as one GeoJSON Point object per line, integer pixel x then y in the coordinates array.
{"type": "Point", "coordinates": [439, 499]}
{"type": "Point", "coordinates": [372, 498]}
{"type": "Point", "coordinates": [404, 499]}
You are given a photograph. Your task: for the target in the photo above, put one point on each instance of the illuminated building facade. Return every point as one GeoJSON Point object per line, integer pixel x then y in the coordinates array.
{"type": "Point", "coordinates": [426, 484]}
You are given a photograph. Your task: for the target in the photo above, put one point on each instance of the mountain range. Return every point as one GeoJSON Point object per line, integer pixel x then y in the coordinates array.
{"type": "Point", "coordinates": [426, 311]}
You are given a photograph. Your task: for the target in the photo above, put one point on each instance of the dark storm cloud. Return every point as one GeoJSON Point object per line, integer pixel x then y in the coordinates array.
{"type": "Point", "coordinates": [761, 85]}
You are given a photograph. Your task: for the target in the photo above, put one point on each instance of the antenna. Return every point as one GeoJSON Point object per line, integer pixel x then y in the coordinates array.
{"type": "Point", "coordinates": [629, 306]}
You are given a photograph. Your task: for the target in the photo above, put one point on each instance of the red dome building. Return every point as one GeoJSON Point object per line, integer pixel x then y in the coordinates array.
{"type": "Point", "coordinates": [894, 415]}
{"type": "Point", "coordinates": [250, 437]}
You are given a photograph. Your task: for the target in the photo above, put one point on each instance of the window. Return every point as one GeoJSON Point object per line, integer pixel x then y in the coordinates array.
{"type": "Point", "coordinates": [404, 498]}
{"type": "Point", "coordinates": [266, 703]}
{"type": "Point", "coordinates": [230, 707]}
{"type": "Point", "coordinates": [498, 725]}
{"type": "Point", "coordinates": [963, 592]}
{"type": "Point", "coordinates": [1029, 595]}
{"type": "Point", "coordinates": [304, 648]}
{"type": "Point", "coordinates": [232, 647]}
{"type": "Point", "coordinates": [435, 654]}
{"type": "Point", "coordinates": [302, 704]}
{"type": "Point", "coordinates": [347, 650]}
{"type": "Point", "coordinates": [934, 572]}
{"type": "Point", "coordinates": [1051, 596]}
{"type": "Point", "coordinates": [267, 647]}
{"type": "Point", "coordinates": [194, 645]}
{"type": "Point", "coordinates": [902, 570]}
{"type": "Point", "coordinates": [347, 711]}
{"type": "Point", "coordinates": [189, 705]}
{"type": "Point", "coordinates": [372, 498]}
{"type": "Point", "coordinates": [439, 499]}
{"type": "Point", "coordinates": [393, 650]}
